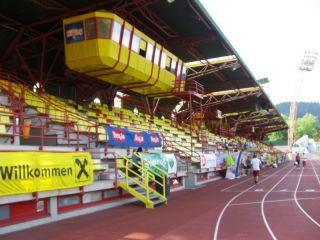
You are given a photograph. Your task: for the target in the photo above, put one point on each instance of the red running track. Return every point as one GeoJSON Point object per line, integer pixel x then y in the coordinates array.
{"type": "Point", "coordinates": [283, 205]}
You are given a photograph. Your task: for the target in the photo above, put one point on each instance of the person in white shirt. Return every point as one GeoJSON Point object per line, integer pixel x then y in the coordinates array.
{"type": "Point", "coordinates": [255, 163]}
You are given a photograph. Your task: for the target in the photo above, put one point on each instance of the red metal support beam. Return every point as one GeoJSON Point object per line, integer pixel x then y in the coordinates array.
{"type": "Point", "coordinates": [36, 53]}
{"type": "Point", "coordinates": [50, 5]}
{"type": "Point", "coordinates": [218, 100]}
{"type": "Point", "coordinates": [98, 5]}
{"type": "Point", "coordinates": [43, 50]}
{"type": "Point", "coordinates": [108, 96]}
{"type": "Point", "coordinates": [150, 107]}
{"type": "Point", "coordinates": [26, 67]}
{"type": "Point", "coordinates": [205, 71]}
{"type": "Point", "coordinates": [53, 62]}
{"type": "Point", "coordinates": [13, 44]}
{"type": "Point", "coordinates": [196, 40]}
{"type": "Point", "coordinates": [140, 24]}
{"type": "Point", "coordinates": [28, 31]}
{"type": "Point", "coordinates": [140, 103]}
{"type": "Point", "coordinates": [154, 19]}
{"type": "Point", "coordinates": [274, 129]}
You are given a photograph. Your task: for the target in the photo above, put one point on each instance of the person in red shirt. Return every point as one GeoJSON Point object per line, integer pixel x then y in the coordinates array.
{"type": "Point", "coordinates": [298, 160]}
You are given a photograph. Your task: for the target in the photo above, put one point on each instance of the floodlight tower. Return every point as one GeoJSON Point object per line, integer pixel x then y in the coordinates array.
{"type": "Point", "coordinates": [307, 64]}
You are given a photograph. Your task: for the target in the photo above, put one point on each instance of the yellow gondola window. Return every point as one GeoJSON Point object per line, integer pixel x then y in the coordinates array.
{"type": "Point", "coordinates": [104, 26]}
{"type": "Point", "coordinates": [116, 31]}
{"type": "Point", "coordinates": [126, 37]}
{"type": "Point", "coordinates": [184, 73]}
{"type": "Point", "coordinates": [135, 43]}
{"type": "Point", "coordinates": [143, 48]}
{"type": "Point", "coordinates": [149, 51]}
{"type": "Point", "coordinates": [163, 60]}
{"type": "Point", "coordinates": [91, 28]}
{"type": "Point", "coordinates": [168, 63]}
{"type": "Point", "coordinates": [156, 56]}
{"type": "Point", "coordinates": [179, 70]}
{"type": "Point", "coordinates": [173, 66]}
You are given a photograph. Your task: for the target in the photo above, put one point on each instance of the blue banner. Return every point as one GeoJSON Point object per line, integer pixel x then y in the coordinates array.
{"type": "Point", "coordinates": [74, 32]}
{"type": "Point", "coordinates": [239, 159]}
{"type": "Point", "coordinates": [122, 137]}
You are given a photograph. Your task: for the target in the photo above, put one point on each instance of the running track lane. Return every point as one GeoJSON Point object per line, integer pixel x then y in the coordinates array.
{"type": "Point", "coordinates": [241, 217]}
{"type": "Point", "coordinates": [288, 208]}
{"type": "Point", "coordinates": [302, 209]}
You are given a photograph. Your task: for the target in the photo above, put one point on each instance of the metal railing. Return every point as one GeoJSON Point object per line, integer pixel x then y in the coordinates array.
{"type": "Point", "coordinates": [142, 174]}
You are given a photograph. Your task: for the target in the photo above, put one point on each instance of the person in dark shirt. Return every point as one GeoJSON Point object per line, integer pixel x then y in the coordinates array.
{"type": "Point", "coordinates": [136, 160]}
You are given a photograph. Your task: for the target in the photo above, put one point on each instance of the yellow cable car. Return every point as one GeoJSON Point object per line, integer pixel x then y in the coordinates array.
{"type": "Point", "coordinates": [103, 45]}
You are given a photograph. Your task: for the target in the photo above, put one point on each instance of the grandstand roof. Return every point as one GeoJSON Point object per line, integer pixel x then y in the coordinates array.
{"type": "Point", "coordinates": [32, 47]}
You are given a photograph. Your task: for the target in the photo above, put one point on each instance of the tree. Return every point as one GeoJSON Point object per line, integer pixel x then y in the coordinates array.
{"type": "Point", "coordinates": [280, 136]}
{"type": "Point", "coordinates": [308, 125]}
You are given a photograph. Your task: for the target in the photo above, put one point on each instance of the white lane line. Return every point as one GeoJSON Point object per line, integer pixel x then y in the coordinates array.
{"type": "Point", "coordinates": [280, 191]}
{"type": "Point", "coordinates": [216, 229]}
{"type": "Point", "coordinates": [295, 175]}
{"type": "Point", "coordinates": [263, 201]}
{"type": "Point", "coordinates": [310, 190]}
{"type": "Point", "coordinates": [259, 190]}
{"type": "Point", "coordinates": [315, 173]}
{"type": "Point", "coordinates": [273, 201]}
{"type": "Point", "coordinates": [295, 199]}
{"type": "Point", "coordinates": [235, 185]}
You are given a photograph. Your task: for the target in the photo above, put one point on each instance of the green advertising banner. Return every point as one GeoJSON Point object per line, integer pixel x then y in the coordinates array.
{"type": "Point", "coordinates": [165, 161]}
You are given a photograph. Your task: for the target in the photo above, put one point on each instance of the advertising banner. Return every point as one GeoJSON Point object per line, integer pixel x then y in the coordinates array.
{"type": "Point", "coordinates": [220, 158]}
{"type": "Point", "coordinates": [208, 160]}
{"type": "Point", "coordinates": [74, 32]}
{"type": "Point", "coordinates": [124, 138]}
{"type": "Point", "coordinates": [26, 172]}
{"type": "Point", "coordinates": [165, 161]}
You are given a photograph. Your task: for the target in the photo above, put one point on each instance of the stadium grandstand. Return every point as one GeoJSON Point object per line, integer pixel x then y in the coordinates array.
{"type": "Point", "coordinates": [84, 84]}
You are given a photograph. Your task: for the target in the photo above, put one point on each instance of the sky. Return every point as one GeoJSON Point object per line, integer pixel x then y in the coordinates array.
{"type": "Point", "coordinates": [271, 37]}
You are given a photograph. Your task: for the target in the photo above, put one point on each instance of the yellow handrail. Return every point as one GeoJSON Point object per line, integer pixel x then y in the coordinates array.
{"type": "Point", "coordinates": [147, 167]}
{"type": "Point", "coordinates": [146, 175]}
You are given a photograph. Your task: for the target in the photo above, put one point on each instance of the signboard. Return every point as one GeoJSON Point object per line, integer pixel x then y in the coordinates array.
{"type": "Point", "coordinates": [165, 161]}
{"type": "Point", "coordinates": [220, 158]}
{"type": "Point", "coordinates": [26, 172]}
{"type": "Point", "coordinates": [208, 160]}
{"type": "Point", "coordinates": [74, 32]}
{"type": "Point", "coordinates": [124, 138]}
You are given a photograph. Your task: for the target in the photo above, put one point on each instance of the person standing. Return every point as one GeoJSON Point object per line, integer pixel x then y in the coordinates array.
{"type": "Point", "coordinates": [136, 160]}
{"type": "Point", "coordinates": [255, 163]}
{"type": "Point", "coordinates": [298, 160]}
